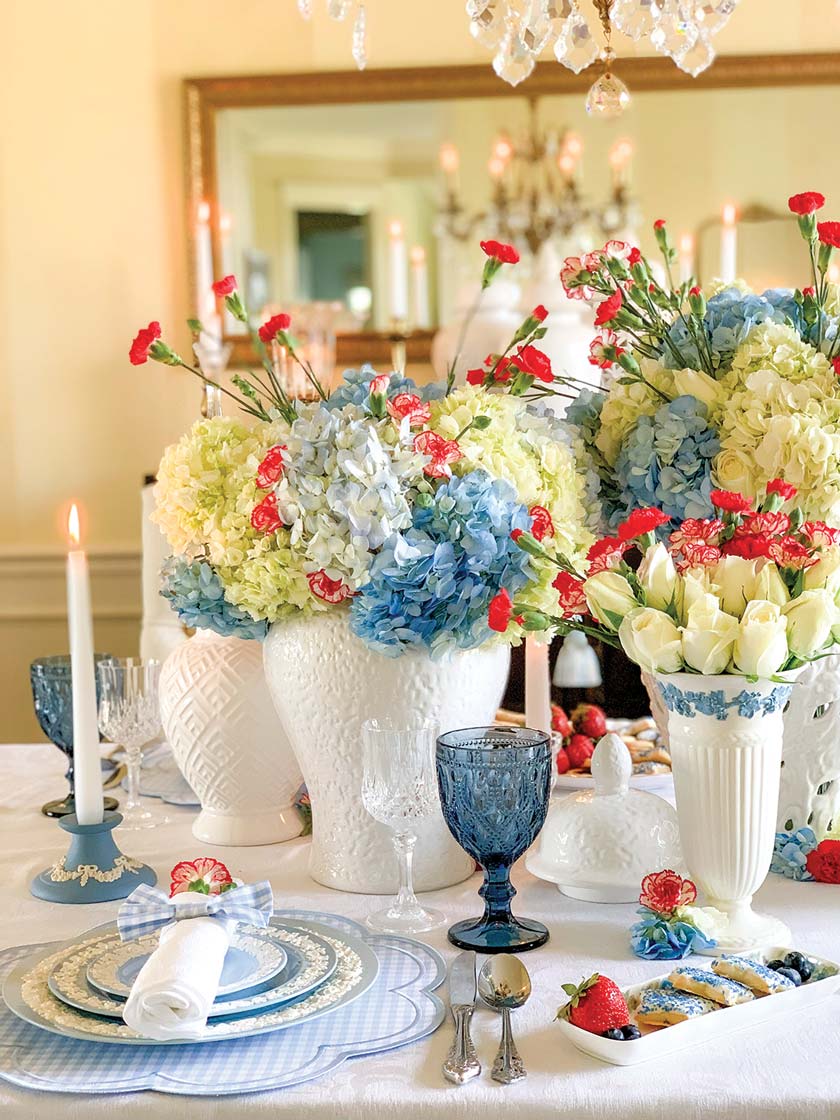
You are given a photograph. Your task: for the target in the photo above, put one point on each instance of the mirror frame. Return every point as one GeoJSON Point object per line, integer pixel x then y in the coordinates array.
{"type": "Point", "coordinates": [204, 97]}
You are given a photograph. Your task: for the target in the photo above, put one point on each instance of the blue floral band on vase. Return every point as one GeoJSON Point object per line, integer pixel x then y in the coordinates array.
{"type": "Point", "coordinates": [747, 703]}
{"type": "Point", "coordinates": [494, 787]}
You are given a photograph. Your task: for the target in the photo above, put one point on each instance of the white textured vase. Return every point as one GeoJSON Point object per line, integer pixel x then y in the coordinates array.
{"type": "Point", "coordinates": [228, 742]}
{"type": "Point", "coordinates": [810, 787]}
{"type": "Point", "coordinates": [325, 683]}
{"type": "Point", "coordinates": [726, 749]}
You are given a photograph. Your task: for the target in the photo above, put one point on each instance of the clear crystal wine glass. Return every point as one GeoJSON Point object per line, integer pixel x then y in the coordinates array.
{"type": "Point", "coordinates": [399, 789]}
{"type": "Point", "coordinates": [129, 714]}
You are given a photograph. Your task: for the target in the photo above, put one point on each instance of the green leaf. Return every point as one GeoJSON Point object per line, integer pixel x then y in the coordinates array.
{"type": "Point", "coordinates": [615, 620]}
{"type": "Point", "coordinates": [481, 422]}
{"type": "Point", "coordinates": [195, 326]}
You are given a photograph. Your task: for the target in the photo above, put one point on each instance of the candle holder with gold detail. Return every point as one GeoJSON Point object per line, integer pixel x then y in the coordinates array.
{"type": "Point", "coordinates": [398, 334]}
{"type": "Point", "coordinates": [94, 869]}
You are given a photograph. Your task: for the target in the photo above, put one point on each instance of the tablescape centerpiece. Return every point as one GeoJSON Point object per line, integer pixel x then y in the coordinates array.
{"type": "Point", "coordinates": [671, 926]}
{"type": "Point", "coordinates": [726, 388]}
{"type": "Point", "coordinates": [367, 531]}
{"type": "Point", "coordinates": [494, 787]}
{"type": "Point", "coordinates": [723, 616]}
{"type": "Point", "coordinates": [597, 842]}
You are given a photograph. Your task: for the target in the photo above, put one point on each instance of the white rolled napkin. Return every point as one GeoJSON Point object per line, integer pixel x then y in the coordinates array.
{"type": "Point", "coordinates": [176, 987]}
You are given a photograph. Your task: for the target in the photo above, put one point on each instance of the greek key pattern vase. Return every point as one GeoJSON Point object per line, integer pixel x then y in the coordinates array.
{"type": "Point", "coordinates": [325, 683]}
{"type": "Point", "coordinates": [228, 742]}
{"type": "Point", "coordinates": [726, 749]}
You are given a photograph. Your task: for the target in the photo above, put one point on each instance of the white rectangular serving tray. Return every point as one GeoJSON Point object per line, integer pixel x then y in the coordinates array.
{"type": "Point", "coordinates": [656, 1042]}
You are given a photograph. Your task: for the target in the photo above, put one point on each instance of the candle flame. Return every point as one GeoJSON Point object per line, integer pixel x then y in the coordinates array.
{"type": "Point", "coordinates": [567, 165]}
{"type": "Point", "coordinates": [729, 214]}
{"type": "Point", "coordinates": [503, 148]}
{"type": "Point", "coordinates": [572, 145]}
{"type": "Point", "coordinates": [496, 167]}
{"type": "Point", "coordinates": [73, 531]}
{"type": "Point", "coordinates": [621, 153]}
{"type": "Point", "coordinates": [395, 229]}
{"type": "Point", "coordinates": [203, 212]}
{"type": "Point", "coordinates": [225, 223]}
{"type": "Point", "coordinates": [686, 243]}
{"type": "Point", "coordinates": [417, 254]}
{"type": "Point", "coordinates": [449, 158]}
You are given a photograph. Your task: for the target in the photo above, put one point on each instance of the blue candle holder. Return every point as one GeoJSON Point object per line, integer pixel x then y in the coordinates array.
{"type": "Point", "coordinates": [94, 869]}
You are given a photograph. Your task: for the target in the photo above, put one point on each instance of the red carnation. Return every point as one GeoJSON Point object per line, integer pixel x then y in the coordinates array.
{"type": "Point", "coordinates": [731, 501]}
{"type": "Point", "coordinates": [379, 385]}
{"type": "Point", "coordinates": [699, 555]}
{"type": "Point", "coordinates": [835, 362]}
{"type": "Point", "coordinates": [788, 552]}
{"type": "Point", "coordinates": [499, 612]}
{"type": "Point", "coordinates": [475, 376]}
{"type": "Point", "coordinates": [819, 534]}
{"type": "Point", "coordinates": [226, 286]}
{"type": "Point", "coordinates": [142, 344]}
{"type": "Point", "coordinates": [441, 452]}
{"type": "Point", "coordinates": [499, 251]}
{"type": "Point", "coordinates": [330, 590]}
{"type": "Point", "coordinates": [210, 873]}
{"type": "Point", "coordinates": [608, 310]}
{"type": "Point", "coordinates": [664, 891]}
{"type": "Point", "coordinates": [270, 469]}
{"type": "Point", "coordinates": [271, 327]}
{"type": "Point", "coordinates": [782, 488]}
{"type": "Point", "coordinates": [264, 516]}
{"type": "Point", "coordinates": [806, 202]}
{"type": "Point", "coordinates": [696, 531]}
{"type": "Point", "coordinates": [829, 233]}
{"type": "Point", "coordinates": [750, 546]}
{"type": "Point", "coordinates": [501, 371]}
{"type": "Point", "coordinates": [541, 523]}
{"type": "Point", "coordinates": [530, 360]}
{"type": "Point", "coordinates": [641, 521]}
{"type": "Point", "coordinates": [539, 313]}
{"type": "Point", "coordinates": [659, 223]}
{"type": "Point", "coordinates": [776, 524]}
{"type": "Point", "coordinates": [634, 257]}
{"type": "Point", "coordinates": [409, 406]}
{"type": "Point", "coordinates": [824, 861]}
{"type": "Point", "coordinates": [605, 554]}
{"type": "Point", "coordinates": [570, 594]}
{"type": "Point", "coordinates": [810, 290]}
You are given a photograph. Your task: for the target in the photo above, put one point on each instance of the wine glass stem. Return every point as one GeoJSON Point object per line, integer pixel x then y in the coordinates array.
{"type": "Point", "coordinates": [132, 758]}
{"type": "Point", "coordinates": [497, 892]}
{"type": "Point", "coordinates": [404, 845]}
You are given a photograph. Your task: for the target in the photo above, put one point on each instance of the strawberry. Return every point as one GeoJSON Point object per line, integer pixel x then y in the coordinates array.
{"type": "Point", "coordinates": [579, 749]}
{"type": "Point", "coordinates": [560, 722]}
{"type": "Point", "coordinates": [563, 763]}
{"type": "Point", "coordinates": [595, 1005]}
{"type": "Point", "coordinates": [590, 720]}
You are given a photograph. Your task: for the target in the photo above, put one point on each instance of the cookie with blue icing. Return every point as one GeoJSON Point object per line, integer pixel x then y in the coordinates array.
{"type": "Point", "coordinates": [755, 975]}
{"type": "Point", "coordinates": [661, 1007]}
{"type": "Point", "coordinates": [701, 982]}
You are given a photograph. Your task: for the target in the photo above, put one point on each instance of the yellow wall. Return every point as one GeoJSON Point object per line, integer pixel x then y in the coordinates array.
{"type": "Point", "coordinates": [91, 237]}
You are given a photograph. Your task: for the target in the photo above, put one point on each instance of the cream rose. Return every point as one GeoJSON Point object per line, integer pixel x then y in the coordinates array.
{"type": "Point", "coordinates": [691, 586]}
{"type": "Point", "coordinates": [735, 578]}
{"type": "Point", "coordinates": [761, 648]}
{"type": "Point", "coordinates": [810, 618]}
{"type": "Point", "coordinates": [733, 470]}
{"type": "Point", "coordinates": [658, 577]}
{"type": "Point", "coordinates": [709, 636]}
{"type": "Point", "coordinates": [825, 573]}
{"type": "Point", "coordinates": [651, 639]}
{"type": "Point", "coordinates": [769, 584]}
{"type": "Point", "coordinates": [609, 597]}
{"type": "Point", "coordinates": [695, 383]}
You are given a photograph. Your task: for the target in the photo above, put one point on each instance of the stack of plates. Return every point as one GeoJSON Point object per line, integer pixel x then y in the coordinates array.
{"type": "Point", "coordinates": [281, 976]}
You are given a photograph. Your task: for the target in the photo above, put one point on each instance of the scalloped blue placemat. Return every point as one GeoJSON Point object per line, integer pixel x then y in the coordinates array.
{"type": "Point", "coordinates": [400, 1008]}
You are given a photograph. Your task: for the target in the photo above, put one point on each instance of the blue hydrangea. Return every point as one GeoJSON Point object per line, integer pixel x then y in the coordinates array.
{"type": "Point", "coordinates": [665, 939]}
{"type": "Point", "coordinates": [730, 316]}
{"type": "Point", "coordinates": [784, 303]}
{"type": "Point", "coordinates": [666, 462]}
{"type": "Point", "coordinates": [355, 388]}
{"type": "Point", "coordinates": [196, 594]}
{"type": "Point", "coordinates": [583, 414]}
{"type": "Point", "coordinates": [430, 586]}
{"type": "Point", "coordinates": [790, 852]}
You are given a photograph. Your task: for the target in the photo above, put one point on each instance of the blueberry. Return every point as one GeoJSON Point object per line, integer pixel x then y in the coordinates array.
{"type": "Point", "coordinates": [801, 963]}
{"type": "Point", "coordinates": [613, 1033]}
{"type": "Point", "coordinates": [777, 964]}
{"type": "Point", "coordinates": [791, 975]}
{"type": "Point", "coordinates": [631, 1031]}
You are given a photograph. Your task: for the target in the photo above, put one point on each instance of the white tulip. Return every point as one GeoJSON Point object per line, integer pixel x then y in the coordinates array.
{"type": "Point", "coordinates": [761, 648]}
{"type": "Point", "coordinates": [658, 577]}
{"type": "Point", "coordinates": [709, 636]}
{"type": "Point", "coordinates": [609, 597]}
{"type": "Point", "coordinates": [650, 638]}
{"type": "Point", "coordinates": [810, 618]}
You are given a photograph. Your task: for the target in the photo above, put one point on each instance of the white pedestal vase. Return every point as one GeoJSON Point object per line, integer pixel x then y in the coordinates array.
{"type": "Point", "coordinates": [810, 786]}
{"type": "Point", "coordinates": [726, 749]}
{"type": "Point", "coordinates": [325, 683]}
{"type": "Point", "coordinates": [228, 742]}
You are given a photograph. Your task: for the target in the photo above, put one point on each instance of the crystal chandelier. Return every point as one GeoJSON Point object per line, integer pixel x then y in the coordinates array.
{"type": "Point", "coordinates": [518, 31]}
{"type": "Point", "coordinates": [536, 190]}
{"type": "Point", "coordinates": [340, 10]}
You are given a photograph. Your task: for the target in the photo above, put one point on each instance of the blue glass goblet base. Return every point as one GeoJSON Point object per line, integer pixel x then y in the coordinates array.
{"type": "Point", "coordinates": [517, 935]}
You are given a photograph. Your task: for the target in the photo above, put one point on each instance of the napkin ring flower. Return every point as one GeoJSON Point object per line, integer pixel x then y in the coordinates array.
{"type": "Point", "coordinates": [205, 875]}
{"type": "Point", "coordinates": [671, 927]}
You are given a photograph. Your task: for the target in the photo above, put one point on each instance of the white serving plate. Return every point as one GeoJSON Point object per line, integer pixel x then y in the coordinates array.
{"type": "Point", "coordinates": [656, 1042]}
{"type": "Point", "coordinates": [650, 783]}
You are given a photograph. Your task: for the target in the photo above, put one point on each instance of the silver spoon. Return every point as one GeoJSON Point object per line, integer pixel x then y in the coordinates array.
{"type": "Point", "coordinates": [504, 984]}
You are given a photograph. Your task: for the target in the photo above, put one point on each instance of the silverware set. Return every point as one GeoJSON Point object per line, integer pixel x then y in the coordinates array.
{"type": "Point", "coordinates": [504, 985]}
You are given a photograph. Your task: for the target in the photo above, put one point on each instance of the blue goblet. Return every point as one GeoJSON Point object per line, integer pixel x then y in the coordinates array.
{"type": "Point", "coordinates": [494, 787]}
{"type": "Point", "coordinates": [52, 695]}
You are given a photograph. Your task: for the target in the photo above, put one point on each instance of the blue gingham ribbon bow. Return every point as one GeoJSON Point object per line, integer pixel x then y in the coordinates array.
{"type": "Point", "coordinates": [148, 908]}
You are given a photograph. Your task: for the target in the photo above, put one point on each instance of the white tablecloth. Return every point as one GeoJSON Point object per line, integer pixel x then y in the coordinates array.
{"type": "Point", "coordinates": [789, 1068]}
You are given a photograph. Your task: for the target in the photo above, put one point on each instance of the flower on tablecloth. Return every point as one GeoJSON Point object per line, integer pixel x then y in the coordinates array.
{"type": "Point", "coordinates": [823, 862]}
{"type": "Point", "coordinates": [790, 853]}
{"type": "Point", "coordinates": [663, 891]}
{"type": "Point", "coordinates": [204, 875]}
{"type": "Point", "coordinates": [670, 927]}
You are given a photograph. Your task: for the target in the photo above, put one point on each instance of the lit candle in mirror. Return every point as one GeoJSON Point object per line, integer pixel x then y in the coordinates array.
{"type": "Point", "coordinates": [567, 165]}
{"type": "Point", "coordinates": [206, 301]}
{"type": "Point", "coordinates": [503, 148]}
{"type": "Point", "coordinates": [397, 272]}
{"type": "Point", "coordinates": [496, 168]}
{"type": "Point", "coordinates": [449, 161]}
{"type": "Point", "coordinates": [621, 156]}
{"type": "Point", "coordinates": [728, 244]}
{"type": "Point", "coordinates": [686, 257]}
{"type": "Point", "coordinates": [86, 761]}
{"type": "Point", "coordinates": [834, 273]}
{"type": "Point", "coordinates": [573, 147]}
{"type": "Point", "coordinates": [537, 686]}
{"type": "Point", "coordinates": [419, 287]}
